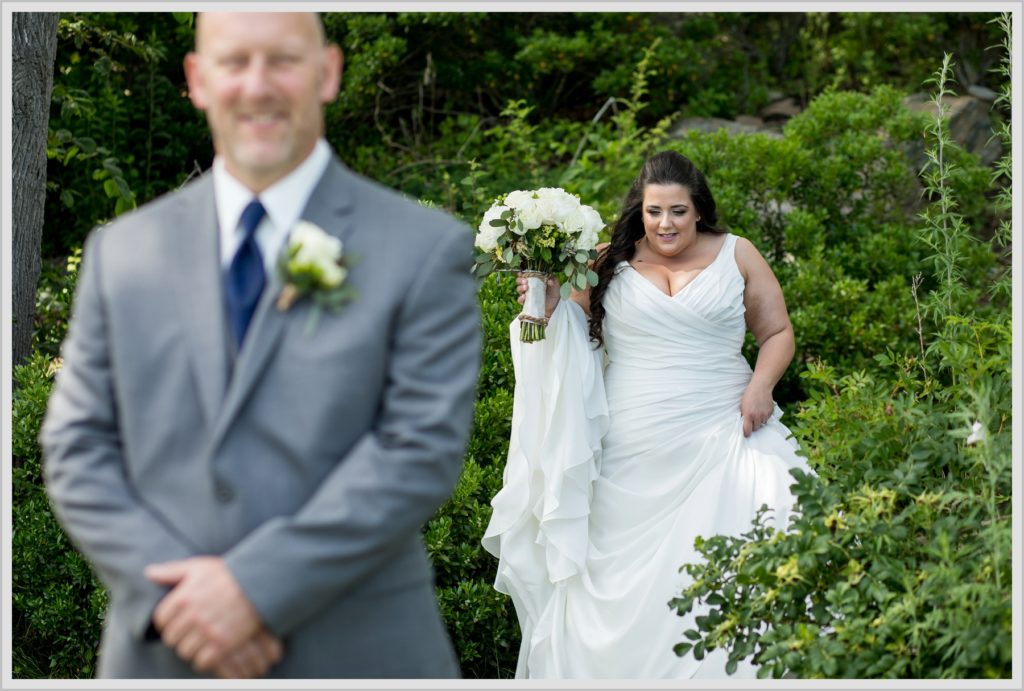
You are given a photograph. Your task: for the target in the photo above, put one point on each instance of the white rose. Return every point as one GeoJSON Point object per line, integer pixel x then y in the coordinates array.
{"type": "Point", "coordinates": [592, 225]}
{"type": "Point", "coordinates": [332, 275]}
{"type": "Point", "coordinates": [526, 208]}
{"type": "Point", "coordinates": [574, 222]}
{"type": "Point", "coordinates": [487, 237]}
{"type": "Point", "coordinates": [519, 199]}
{"type": "Point", "coordinates": [556, 204]}
{"type": "Point", "coordinates": [317, 250]}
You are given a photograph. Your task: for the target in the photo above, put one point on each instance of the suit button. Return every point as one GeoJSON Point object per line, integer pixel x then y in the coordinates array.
{"type": "Point", "coordinates": [223, 491]}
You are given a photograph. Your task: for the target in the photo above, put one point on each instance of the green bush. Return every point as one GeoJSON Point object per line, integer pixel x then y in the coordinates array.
{"type": "Point", "coordinates": [56, 604]}
{"type": "Point", "coordinates": [480, 620]}
{"type": "Point", "coordinates": [898, 563]}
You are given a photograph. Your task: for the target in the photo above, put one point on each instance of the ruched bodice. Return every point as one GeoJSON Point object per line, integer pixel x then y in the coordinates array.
{"type": "Point", "coordinates": [676, 357]}
{"type": "Point", "coordinates": [649, 329]}
{"type": "Point", "coordinates": [614, 469]}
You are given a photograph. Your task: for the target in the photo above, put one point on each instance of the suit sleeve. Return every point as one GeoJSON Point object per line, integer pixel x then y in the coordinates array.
{"type": "Point", "coordinates": [84, 468]}
{"type": "Point", "coordinates": [396, 476]}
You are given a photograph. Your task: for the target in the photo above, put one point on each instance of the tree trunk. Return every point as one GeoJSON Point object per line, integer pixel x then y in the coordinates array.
{"type": "Point", "coordinates": [34, 48]}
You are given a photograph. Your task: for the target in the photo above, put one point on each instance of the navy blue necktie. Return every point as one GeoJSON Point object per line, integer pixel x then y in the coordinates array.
{"type": "Point", "coordinates": [246, 277]}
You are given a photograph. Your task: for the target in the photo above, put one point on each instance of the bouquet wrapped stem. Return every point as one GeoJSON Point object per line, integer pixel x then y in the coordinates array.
{"type": "Point", "coordinates": [533, 319]}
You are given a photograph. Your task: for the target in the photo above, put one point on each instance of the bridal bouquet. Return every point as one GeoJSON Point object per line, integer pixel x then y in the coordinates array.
{"type": "Point", "coordinates": [540, 233]}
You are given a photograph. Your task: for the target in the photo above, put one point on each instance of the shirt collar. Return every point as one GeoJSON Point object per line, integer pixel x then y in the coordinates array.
{"type": "Point", "coordinates": [284, 202]}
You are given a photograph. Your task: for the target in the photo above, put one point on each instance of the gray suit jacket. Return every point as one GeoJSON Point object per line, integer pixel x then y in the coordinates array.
{"type": "Point", "coordinates": [309, 463]}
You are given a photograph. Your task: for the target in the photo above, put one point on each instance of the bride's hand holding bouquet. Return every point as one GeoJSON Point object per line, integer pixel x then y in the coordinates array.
{"type": "Point", "coordinates": [541, 233]}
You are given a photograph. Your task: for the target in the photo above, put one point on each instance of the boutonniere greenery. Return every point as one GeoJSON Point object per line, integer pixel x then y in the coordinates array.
{"type": "Point", "coordinates": [313, 265]}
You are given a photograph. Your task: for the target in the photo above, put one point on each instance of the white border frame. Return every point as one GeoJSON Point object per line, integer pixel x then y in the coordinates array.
{"type": "Point", "coordinates": [8, 8]}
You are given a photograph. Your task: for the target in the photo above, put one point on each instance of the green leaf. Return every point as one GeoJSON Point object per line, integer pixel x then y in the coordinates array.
{"type": "Point", "coordinates": [72, 152]}
{"type": "Point", "coordinates": [682, 604]}
{"type": "Point", "coordinates": [681, 649]}
{"type": "Point", "coordinates": [698, 651]}
{"type": "Point", "coordinates": [123, 204]}
{"type": "Point", "coordinates": [67, 198]}
{"type": "Point", "coordinates": [730, 666]}
{"type": "Point", "coordinates": [565, 291]}
{"type": "Point", "coordinates": [87, 144]}
{"type": "Point", "coordinates": [110, 187]}
{"type": "Point", "coordinates": [592, 278]}
{"type": "Point", "coordinates": [497, 223]}
{"type": "Point", "coordinates": [110, 165]}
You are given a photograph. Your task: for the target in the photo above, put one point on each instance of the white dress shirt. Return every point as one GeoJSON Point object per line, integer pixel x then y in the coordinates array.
{"type": "Point", "coordinates": [284, 202]}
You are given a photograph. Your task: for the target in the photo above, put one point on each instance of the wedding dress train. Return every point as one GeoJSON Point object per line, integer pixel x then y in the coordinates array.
{"type": "Point", "coordinates": [614, 468]}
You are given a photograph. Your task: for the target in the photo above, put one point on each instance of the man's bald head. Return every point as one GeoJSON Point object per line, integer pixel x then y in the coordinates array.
{"type": "Point", "coordinates": [315, 19]}
{"type": "Point", "coordinates": [262, 79]}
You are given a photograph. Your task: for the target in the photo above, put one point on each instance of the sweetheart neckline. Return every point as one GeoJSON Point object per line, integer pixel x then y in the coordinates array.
{"type": "Point", "coordinates": [718, 256]}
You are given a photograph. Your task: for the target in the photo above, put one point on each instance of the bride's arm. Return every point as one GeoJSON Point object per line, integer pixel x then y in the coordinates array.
{"type": "Point", "coordinates": [768, 319]}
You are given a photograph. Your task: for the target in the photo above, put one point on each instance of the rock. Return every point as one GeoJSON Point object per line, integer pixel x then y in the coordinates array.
{"type": "Point", "coordinates": [749, 121]}
{"type": "Point", "coordinates": [681, 127]}
{"type": "Point", "coordinates": [982, 92]}
{"type": "Point", "coordinates": [970, 125]}
{"type": "Point", "coordinates": [782, 109]}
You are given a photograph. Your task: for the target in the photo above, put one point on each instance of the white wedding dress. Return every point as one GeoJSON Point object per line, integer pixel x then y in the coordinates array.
{"type": "Point", "coordinates": [614, 469]}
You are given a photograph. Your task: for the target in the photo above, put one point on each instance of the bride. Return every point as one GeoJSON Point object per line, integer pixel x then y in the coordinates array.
{"type": "Point", "coordinates": [637, 426]}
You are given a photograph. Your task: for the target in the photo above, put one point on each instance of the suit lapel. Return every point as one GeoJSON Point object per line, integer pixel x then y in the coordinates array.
{"type": "Point", "coordinates": [327, 207]}
{"type": "Point", "coordinates": [194, 249]}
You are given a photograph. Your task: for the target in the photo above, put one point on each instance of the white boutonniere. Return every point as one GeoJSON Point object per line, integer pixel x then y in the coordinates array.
{"type": "Point", "coordinates": [313, 265]}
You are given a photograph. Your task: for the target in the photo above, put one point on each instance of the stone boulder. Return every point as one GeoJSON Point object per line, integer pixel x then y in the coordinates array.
{"type": "Point", "coordinates": [708, 125]}
{"type": "Point", "coordinates": [970, 124]}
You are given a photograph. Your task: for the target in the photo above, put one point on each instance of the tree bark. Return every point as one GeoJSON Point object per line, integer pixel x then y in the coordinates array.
{"type": "Point", "coordinates": [34, 48]}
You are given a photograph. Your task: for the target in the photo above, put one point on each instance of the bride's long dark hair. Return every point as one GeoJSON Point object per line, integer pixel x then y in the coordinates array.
{"type": "Point", "coordinates": [663, 168]}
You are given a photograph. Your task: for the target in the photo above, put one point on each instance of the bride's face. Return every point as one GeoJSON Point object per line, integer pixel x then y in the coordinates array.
{"type": "Point", "coordinates": [670, 218]}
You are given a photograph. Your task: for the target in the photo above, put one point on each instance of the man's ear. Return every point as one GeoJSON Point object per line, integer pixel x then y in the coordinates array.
{"type": "Point", "coordinates": [334, 64]}
{"type": "Point", "coordinates": [194, 79]}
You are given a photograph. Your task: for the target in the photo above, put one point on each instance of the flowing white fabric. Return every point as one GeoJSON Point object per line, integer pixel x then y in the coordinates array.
{"type": "Point", "coordinates": [614, 470]}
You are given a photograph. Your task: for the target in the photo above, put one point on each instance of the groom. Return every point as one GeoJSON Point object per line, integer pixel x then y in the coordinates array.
{"type": "Point", "coordinates": [250, 490]}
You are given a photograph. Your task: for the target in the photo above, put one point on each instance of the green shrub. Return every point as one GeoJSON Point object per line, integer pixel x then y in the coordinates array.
{"type": "Point", "coordinates": [898, 563]}
{"type": "Point", "coordinates": [56, 604]}
{"type": "Point", "coordinates": [480, 620]}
